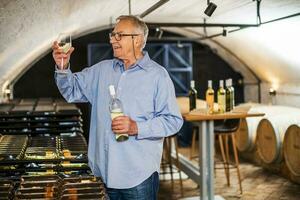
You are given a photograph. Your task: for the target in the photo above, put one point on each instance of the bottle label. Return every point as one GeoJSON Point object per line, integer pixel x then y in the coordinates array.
{"type": "Point", "coordinates": [221, 103]}
{"type": "Point", "coordinates": [210, 100]}
{"type": "Point", "coordinates": [116, 114]}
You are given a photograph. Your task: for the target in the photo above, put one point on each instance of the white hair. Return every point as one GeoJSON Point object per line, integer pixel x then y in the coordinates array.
{"type": "Point", "coordinates": [139, 24]}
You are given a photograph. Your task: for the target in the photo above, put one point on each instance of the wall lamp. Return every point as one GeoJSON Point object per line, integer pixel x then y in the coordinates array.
{"type": "Point", "coordinates": [211, 7]}
{"type": "Point", "coordinates": [224, 32]}
{"type": "Point", "coordinates": [272, 92]}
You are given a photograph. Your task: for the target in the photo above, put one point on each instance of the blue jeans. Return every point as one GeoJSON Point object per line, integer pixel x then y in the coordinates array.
{"type": "Point", "coordinates": [147, 190]}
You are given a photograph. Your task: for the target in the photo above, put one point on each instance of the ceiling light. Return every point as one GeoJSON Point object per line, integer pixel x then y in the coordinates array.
{"type": "Point", "coordinates": [158, 33]}
{"type": "Point", "coordinates": [179, 44]}
{"type": "Point", "coordinates": [211, 7]}
{"type": "Point", "coordinates": [224, 33]}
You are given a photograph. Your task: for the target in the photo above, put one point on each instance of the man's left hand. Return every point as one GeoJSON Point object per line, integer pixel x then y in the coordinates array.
{"type": "Point", "coordinates": [124, 124]}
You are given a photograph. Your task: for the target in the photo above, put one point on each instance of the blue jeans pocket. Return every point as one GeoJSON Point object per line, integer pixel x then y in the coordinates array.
{"type": "Point", "coordinates": [147, 190]}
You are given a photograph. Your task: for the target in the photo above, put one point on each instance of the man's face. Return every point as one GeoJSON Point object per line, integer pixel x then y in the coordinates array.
{"type": "Point", "coordinates": [123, 49]}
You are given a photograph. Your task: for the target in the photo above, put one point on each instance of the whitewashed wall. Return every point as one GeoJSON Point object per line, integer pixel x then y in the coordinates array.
{"type": "Point", "coordinates": [286, 94]}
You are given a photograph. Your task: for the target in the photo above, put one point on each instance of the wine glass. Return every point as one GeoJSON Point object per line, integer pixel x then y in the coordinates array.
{"type": "Point", "coordinates": [65, 43]}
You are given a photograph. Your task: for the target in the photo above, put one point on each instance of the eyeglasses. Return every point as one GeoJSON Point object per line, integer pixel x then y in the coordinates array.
{"type": "Point", "coordinates": [118, 36]}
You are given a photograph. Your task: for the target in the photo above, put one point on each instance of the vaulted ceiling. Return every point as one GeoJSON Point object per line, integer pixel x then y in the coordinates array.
{"type": "Point", "coordinates": [269, 52]}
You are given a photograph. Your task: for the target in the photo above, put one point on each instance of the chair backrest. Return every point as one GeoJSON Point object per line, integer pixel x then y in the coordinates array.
{"type": "Point", "coordinates": [227, 126]}
{"type": "Point", "coordinates": [232, 123]}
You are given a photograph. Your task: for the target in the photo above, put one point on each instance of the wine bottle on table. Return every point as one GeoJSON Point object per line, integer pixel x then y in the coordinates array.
{"type": "Point", "coordinates": [192, 96]}
{"type": "Point", "coordinates": [116, 110]}
{"type": "Point", "coordinates": [232, 101]}
{"type": "Point", "coordinates": [228, 96]}
{"type": "Point", "coordinates": [210, 100]}
{"type": "Point", "coordinates": [221, 97]}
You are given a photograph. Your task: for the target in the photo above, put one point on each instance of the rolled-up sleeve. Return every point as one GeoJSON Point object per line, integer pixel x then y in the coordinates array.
{"type": "Point", "coordinates": [76, 87]}
{"type": "Point", "coordinates": [167, 119]}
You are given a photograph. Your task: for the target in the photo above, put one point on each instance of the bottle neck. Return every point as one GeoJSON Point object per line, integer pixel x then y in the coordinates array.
{"type": "Point", "coordinates": [221, 84]}
{"type": "Point", "coordinates": [228, 85]}
{"type": "Point", "coordinates": [192, 84]}
{"type": "Point", "coordinates": [209, 85]}
{"type": "Point", "coordinates": [113, 96]}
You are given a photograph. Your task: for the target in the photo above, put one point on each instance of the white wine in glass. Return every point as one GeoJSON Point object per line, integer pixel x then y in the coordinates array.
{"type": "Point", "coordinates": [65, 43]}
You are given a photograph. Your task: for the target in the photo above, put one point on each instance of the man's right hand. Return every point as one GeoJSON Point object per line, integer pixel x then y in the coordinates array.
{"type": "Point", "coordinates": [59, 56]}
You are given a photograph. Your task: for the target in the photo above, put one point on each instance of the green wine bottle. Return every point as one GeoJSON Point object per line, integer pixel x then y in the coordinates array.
{"type": "Point", "coordinates": [221, 97]}
{"type": "Point", "coordinates": [227, 95]}
{"type": "Point", "coordinates": [193, 96]}
{"type": "Point", "coordinates": [232, 102]}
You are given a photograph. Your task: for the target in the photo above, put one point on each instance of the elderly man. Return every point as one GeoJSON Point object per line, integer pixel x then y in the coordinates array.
{"type": "Point", "coordinates": [130, 168]}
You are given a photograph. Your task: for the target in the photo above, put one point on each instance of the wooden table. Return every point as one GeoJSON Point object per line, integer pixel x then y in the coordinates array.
{"type": "Point", "coordinates": [204, 175]}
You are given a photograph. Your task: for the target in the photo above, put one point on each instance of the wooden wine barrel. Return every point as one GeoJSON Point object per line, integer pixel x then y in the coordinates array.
{"type": "Point", "coordinates": [291, 150]}
{"type": "Point", "coordinates": [246, 134]}
{"type": "Point", "coordinates": [270, 135]}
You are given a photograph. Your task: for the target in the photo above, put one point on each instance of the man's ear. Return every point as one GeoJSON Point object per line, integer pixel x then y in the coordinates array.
{"type": "Point", "coordinates": [138, 42]}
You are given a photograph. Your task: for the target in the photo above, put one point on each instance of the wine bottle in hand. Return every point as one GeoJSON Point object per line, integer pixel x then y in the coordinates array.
{"type": "Point", "coordinates": [116, 110]}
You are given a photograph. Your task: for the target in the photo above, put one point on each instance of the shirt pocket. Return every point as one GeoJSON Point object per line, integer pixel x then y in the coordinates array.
{"type": "Point", "coordinates": [144, 105]}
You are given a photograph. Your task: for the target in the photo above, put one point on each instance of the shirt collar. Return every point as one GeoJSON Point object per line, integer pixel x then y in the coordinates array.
{"type": "Point", "coordinates": [142, 63]}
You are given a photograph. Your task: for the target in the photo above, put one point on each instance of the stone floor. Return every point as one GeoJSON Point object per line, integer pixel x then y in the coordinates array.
{"type": "Point", "coordinates": [258, 184]}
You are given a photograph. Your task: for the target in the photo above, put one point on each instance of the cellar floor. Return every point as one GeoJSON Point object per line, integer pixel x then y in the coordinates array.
{"type": "Point", "coordinates": [258, 184]}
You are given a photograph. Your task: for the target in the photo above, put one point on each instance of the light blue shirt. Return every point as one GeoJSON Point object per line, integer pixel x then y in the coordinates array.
{"type": "Point", "coordinates": [148, 97]}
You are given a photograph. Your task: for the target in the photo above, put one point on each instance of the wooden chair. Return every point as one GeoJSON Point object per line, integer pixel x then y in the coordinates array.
{"type": "Point", "coordinates": [167, 161]}
{"type": "Point", "coordinates": [225, 132]}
